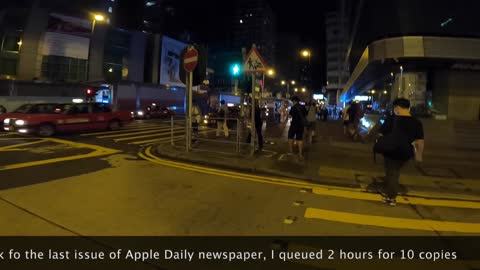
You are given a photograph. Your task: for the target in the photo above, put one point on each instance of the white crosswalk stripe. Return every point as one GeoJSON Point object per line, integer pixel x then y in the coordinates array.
{"type": "Point", "coordinates": [139, 133]}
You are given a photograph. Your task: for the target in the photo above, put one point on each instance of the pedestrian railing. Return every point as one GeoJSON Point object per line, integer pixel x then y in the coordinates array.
{"type": "Point", "coordinates": [205, 135]}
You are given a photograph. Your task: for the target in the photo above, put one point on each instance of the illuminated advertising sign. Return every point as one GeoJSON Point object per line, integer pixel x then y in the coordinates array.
{"type": "Point", "coordinates": [317, 96]}
{"type": "Point", "coordinates": [362, 98]}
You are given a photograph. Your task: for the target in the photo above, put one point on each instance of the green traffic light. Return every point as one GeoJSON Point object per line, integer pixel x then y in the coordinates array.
{"type": "Point", "coordinates": [235, 69]}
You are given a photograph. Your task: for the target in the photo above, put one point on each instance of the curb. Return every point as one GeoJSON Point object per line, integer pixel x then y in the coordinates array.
{"type": "Point", "coordinates": [415, 191]}
{"type": "Point", "coordinates": [256, 171]}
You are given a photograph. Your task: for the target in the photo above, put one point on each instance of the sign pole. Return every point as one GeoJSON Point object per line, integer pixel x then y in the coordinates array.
{"type": "Point", "coordinates": [252, 126]}
{"type": "Point", "coordinates": [187, 120]}
{"type": "Point", "coordinates": [190, 94]}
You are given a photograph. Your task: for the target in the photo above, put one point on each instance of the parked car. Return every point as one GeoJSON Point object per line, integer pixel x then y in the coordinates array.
{"type": "Point", "coordinates": [154, 111]}
{"type": "Point", "coordinates": [48, 119]}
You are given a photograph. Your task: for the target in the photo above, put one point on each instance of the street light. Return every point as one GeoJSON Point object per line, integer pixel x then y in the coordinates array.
{"type": "Point", "coordinates": [304, 90]}
{"type": "Point", "coordinates": [296, 90]}
{"type": "Point", "coordinates": [96, 17]}
{"type": "Point", "coordinates": [306, 53]}
{"type": "Point", "coordinates": [283, 82]}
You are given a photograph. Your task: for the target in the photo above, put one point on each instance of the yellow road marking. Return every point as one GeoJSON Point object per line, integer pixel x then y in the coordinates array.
{"type": "Point", "coordinates": [12, 150]}
{"type": "Point", "coordinates": [20, 145]}
{"type": "Point", "coordinates": [135, 133]}
{"type": "Point", "coordinates": [243, 176]}
{"type": "Point", "coordinates": [121, 130]}
{"type": "Point", "coordinates": [166, 138]}
{"type": "Point", "coordinates": [99, 151]}
{"type": "Point", "coordinates": [351, 193]}
{"type": "Point", "coordinates": [400, 199]}
{"type": "Point", "coordinates": [18, 138]}
{"type": "Point", "coordinates": [149, 135]}
{"type": "Point", "coordinates": [393, 223]}
{"type": "Point", "coordinates": [7, 134]}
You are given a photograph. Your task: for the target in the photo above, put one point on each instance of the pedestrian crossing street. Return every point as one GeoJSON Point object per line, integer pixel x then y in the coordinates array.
{"type": "Point", "coordinates": [143, 132]}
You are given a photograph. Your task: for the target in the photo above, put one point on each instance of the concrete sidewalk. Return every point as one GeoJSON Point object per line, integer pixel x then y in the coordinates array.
{"type": "Point", "coordinates": [334, 160]}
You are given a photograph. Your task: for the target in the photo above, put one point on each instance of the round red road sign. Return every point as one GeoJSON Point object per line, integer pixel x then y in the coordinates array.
{"type": "Point", "coordinates": [190, 59]}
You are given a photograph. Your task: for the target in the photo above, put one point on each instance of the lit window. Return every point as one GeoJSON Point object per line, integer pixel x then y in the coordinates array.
{"type": "Point", "coordinates": [110, 10]}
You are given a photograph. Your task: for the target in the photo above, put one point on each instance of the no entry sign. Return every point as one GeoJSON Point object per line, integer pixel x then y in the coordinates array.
{"type": "Point", "coordinates": [190, 59]}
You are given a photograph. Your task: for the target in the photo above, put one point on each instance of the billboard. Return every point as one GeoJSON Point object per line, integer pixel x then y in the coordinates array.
{"type": "Point", "coordinates": [170, 62]}
{"type": "Point", "coordinates": [67, 36]}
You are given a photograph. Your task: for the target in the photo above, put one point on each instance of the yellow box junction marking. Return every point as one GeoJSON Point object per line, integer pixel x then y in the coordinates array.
{"type": "Point", "coordinates": [99, 151]}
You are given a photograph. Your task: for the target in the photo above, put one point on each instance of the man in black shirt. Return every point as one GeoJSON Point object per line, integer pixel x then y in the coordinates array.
{"type": "Point", "coordinates": [411, 130]}
{"type": "Point", "coordinates": [297, 126]}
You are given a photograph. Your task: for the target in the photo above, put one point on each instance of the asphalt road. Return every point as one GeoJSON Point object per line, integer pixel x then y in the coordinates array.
{"type": "Point", "coordinates": [96, 184]}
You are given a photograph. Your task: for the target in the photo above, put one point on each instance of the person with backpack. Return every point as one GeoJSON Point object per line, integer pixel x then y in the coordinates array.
{"type": "Point", "coordinates": [222, 119]}
{"type": "Point", "coordinates": [400, 139]}
{"type": "Point", "coordinates": [297, 126]}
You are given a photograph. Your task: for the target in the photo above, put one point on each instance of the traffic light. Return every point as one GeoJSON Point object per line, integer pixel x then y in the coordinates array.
{"type": "Point", "coordinates": [90, 95]}
{"type": "Point", "coordinates": [235, 69]}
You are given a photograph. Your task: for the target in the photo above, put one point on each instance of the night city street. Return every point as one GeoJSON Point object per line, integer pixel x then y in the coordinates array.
{"type": "Point", "coordinates": [239, 134]}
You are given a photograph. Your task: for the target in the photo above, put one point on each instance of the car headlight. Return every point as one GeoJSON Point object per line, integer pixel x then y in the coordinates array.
{"type": "Point", "coordinates": [19, 122]}
{"type": "Point", "coordinates": [6, 121]}
{"type": "Point", "coordinates": [140, 113]}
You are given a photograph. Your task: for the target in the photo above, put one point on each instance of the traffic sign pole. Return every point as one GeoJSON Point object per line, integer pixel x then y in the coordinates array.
{"type": "Point", "coordinates": [190, 86]}
{"type": "Point", "coordinates": [252, 126]}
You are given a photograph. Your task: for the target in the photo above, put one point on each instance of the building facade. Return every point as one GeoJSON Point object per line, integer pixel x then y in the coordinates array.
{"type": "Point", "coordinates": [254, 23]}
{"type": "Point", "coordinates": [404, 48]}
{"type": "Point", "coordinates": [336, 52]}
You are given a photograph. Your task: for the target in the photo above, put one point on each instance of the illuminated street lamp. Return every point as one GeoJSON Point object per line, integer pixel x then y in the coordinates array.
{"type": "Point", "coordinates": [296, 90]}
{"type": "Point", "coordinates": [385, 92]}
{"type": "Point", "coordinates": [95, 18]}
{"type": "Point", "coordinates": [293, 82]}
{"type": "Point", "coordinates": [283, 82]}
{"type": "Point", "coordinates": [306, 53]}
{"type": "Point", "coordinates": [271, 72]}
{"type": "Point", "coordinates": [304, 90]}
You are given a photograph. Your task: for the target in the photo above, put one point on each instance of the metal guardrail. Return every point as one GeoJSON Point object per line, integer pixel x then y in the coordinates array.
{"type": "Point", "coordinates": [239, 130]}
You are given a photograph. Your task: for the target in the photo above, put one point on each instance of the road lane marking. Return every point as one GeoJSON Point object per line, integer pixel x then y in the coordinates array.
{"type": "Point", "coordinates": [118, 131]}
{"type": "Point", "coordinates": [7, 134]}
{"type": "Point", "coordinates": [98, 151]}
{"type": "Point", "coordinates": [20, 145]}
{"type": "Point", "coordinates": [149, 135]}
{"type": "Point", "coordinates": [391, 222]}
{"type": "Point", "coordinates": [243, 176]}
{"type": "Point", "coordinates": [136, 133]}
{"type": "Point", "coordinates": [400, 199]}
{"type": "Point", "coordinates": [349, 193]}
{"type": "Point", "coordinates": [166, 138]}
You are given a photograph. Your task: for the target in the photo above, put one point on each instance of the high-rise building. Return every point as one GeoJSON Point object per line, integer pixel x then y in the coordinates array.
{"type": "Point", "coordinates": [336, 51]}
{"type": "Point", "coordinates": [427, 51]}
{"type": "Point", "coordinates": [254, 23]}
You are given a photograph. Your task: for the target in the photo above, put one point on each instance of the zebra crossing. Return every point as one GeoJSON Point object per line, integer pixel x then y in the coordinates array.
{"type": "Point", "coordinates": [143, 133]}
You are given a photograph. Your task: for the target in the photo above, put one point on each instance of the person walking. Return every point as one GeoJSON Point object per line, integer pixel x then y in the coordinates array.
{"type": "Point", "coordinates": [222, 119]}
{"type": "Point", "coordinates": [297, 127]}
{"type": "Point", "coordinates": [258, 129]}
{"type": "Point", "coordinates": [196, 118]}
{"type": "Point", "coordinates": [400, 139]}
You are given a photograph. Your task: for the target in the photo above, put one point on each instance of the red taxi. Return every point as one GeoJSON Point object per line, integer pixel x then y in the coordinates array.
{"type": "Point", "coordinates": [47, 119]}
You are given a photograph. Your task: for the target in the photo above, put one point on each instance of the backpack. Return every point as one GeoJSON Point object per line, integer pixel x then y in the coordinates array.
{"type": "Point", "coordinates": [394, 144]}
{"type": "Point", "coordinates": [303, 118]}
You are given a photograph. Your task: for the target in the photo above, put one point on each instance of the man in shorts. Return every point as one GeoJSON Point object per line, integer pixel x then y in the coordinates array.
{"type": "Point", "coordinates": [297, 126]}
